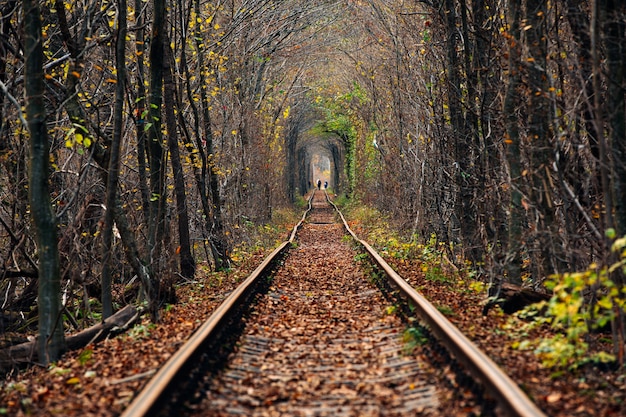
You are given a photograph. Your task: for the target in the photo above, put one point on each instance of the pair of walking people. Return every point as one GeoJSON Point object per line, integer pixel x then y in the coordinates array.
{"type": "Point", "coordinates": [319, 184]}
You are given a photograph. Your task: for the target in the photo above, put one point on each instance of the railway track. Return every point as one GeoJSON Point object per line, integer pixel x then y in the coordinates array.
{"type": "Point", "coordinates": [321, 340]}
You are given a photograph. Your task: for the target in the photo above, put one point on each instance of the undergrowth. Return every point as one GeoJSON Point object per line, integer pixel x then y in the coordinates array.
{"type": "Point", "coordinates": [264, 236]}
{"type": "Point", "coordinates": [429, 252]}
{"type": "Point", "coordinates": [583, 304]}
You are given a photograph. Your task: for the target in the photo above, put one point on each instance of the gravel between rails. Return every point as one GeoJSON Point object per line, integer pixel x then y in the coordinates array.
{"type": "Point", "coordinates": [321, 343]}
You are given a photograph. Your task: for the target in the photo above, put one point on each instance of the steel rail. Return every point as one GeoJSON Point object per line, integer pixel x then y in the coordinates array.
{"type": "Point", "coordinates": [506, 392]}
{"type": "Point", "coordinates": [152, 396]}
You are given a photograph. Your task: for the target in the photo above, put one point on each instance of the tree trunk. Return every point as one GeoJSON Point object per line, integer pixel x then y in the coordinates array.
{"type": "Point", "coordinates": [513, 260]}
{"type": "Point", "coordinates": [140, 111]}
{"type": "Point", "coordinates": [463, 146]}
{"type": "Point", "coordinates": [614, 38]}
{"type": "Point", "coordinates": [187, 263]}
{"type": "Point", "coordinates": [614, 32]}
{"type": "Point", "coordinates": [5, 34]}
{"type": "Point", "coordinates": [113, 173]}
{"type": "Point", "coordinates": [470, 172]}
{"type": "Point", "coordinates": [490, 82]}
{"type": "Point", "coordinates": [539, 136]}
{"type": "Point", "coordinates": [579, 23]}
{"type": "Point", "coordinates": [51, 337]}
{"type": "Point", "coordinates": [217, 238]}
{"type": "Point", "coordinates": [196, 152]}
{"type": "Point", "coordinates": [156, 155]}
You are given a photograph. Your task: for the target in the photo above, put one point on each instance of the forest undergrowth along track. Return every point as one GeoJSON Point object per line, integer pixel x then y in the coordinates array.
{"type": "Point", "coordinates": [322, 342]}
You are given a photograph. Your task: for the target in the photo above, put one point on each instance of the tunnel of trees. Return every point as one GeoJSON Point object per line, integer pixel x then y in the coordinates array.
{"type": "Point", "coordinates": [132, 128]}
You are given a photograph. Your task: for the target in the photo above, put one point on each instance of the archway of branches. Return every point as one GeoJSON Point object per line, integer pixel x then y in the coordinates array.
{"type": "Point", "coordinates": [320, 158]}
{"type": "Point", "coordinates": [232, 108]}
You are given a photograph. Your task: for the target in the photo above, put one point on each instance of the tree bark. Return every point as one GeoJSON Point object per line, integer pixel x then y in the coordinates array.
{"type": "Point", "coordinates": [187, 263]}
{"type": "Point", "coordinates": [614, 37]}
{"type": "Point", "coordinates": [217, 238]}
{"type": "Point", "coordinates": [140, 111]}
{"type": "Point", "coordinates": [462, 138]}
{"type": "Point", "coordinates": [51, 337]}
{"type": "Point", "coordinates": [614, 34]}
{"type": "Point", "coordinates": [513, 260]}
{"type": "Point", "coordinates": [540, 134]}
{"type": "Point", "coordinates": [156, 155]}
{"type": "Point", "coordinates": [113, 172]}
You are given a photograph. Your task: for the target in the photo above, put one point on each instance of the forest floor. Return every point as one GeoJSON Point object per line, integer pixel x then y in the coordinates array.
{"type": "Point", "coordinates": [587, 391]}
{"type": "Point", "coordinates": [101, 379]}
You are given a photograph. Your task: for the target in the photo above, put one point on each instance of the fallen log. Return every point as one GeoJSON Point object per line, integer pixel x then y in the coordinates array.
{"type": "Point", "coordinates": [512, 298]}
{"type": "Point", "coordinates": [26, 353]}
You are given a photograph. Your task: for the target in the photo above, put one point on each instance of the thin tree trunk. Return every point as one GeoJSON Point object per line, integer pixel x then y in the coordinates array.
{"type": "Point", "coordinates": [113, 172]}
{"type": "Point", "coordinates": [197, 152]}
{"type": "Point", "coordinates": [470, 171]}
{"type": "Point", "coordinates": [578, 20]}
{"type": "Point", "coordinates": [513, 260]}
{"type": "Point", "coordinates": [616, 61]}
{"type": "Point", "coordinates": [463, 147]}
{"type": "Point", "coordinates": [490, 82]}
{"type": "Point", "coordinates": [539, 134]}
{"type": "Point", "coordinates": [605, 175]}
{"type": "Point", "coordinates": [51, 337]}
{"type": "Point", "coordinates": [5, 34]}
{"type": "Point", "coordinates": [614, 35]}
{"type": "Point", "coordinates": [187, 263]}
{"type": "Point", "coordinates": [155, 137]}
{"type": "Point", "coordinates": [141, 114]}
{"type": "Point", "coordinates": [219, 244]}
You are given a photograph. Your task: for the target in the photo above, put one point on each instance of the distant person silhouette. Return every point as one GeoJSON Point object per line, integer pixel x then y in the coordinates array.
{"type": "Point", "coordinates": [325, 184]}
{"type": "Point", "coordinates": [319, 184]}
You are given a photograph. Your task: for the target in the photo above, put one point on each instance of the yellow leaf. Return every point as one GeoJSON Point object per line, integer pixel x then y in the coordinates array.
{"type": "Point", "coordinates": [73, 381]}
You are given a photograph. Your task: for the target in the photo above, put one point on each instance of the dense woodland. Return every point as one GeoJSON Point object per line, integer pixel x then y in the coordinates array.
{"type": "Point", "coordinates": [140, 137]}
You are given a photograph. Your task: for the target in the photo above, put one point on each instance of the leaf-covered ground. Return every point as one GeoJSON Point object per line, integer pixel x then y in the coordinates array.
{"type": "Point", "coordinates": [101, 379]}
{"type": "Point", "coordinates": [322, 342]}
{"type": "Point", "coordinates": [587, 391]}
